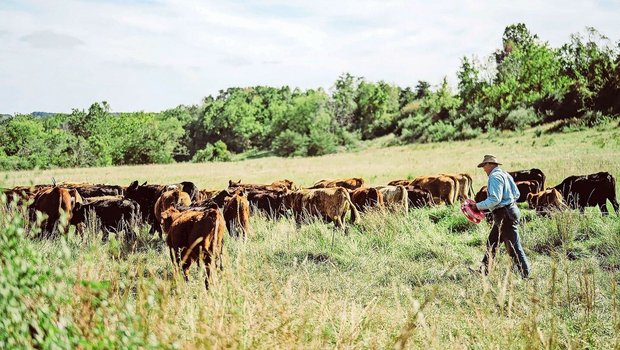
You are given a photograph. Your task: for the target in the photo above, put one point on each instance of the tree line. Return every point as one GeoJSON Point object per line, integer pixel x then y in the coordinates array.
{"type": "Point", "coordinates": [524, 83]}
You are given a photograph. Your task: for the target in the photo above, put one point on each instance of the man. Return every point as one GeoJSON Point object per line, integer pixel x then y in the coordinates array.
{"type": "Point", "coordinates": [502, 196]}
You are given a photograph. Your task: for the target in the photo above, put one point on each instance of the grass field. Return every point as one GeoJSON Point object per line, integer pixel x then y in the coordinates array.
{"type": "Point", "coordinates": [394, 281]}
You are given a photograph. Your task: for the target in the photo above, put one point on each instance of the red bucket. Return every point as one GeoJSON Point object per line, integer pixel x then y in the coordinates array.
{"type": "Point", "coordinates": [471, 212]}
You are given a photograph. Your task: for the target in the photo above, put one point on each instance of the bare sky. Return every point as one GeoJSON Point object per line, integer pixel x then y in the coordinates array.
{"type": "Point", "coordinates": [151, 55]}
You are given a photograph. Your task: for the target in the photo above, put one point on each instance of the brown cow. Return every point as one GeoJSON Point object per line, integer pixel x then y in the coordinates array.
{"type": "Point", "coordinates": [481, 195]}
{"type": "Point", "coordinates": [192, 234]}
{"type": "Point", "coordinates": [350, 184]}
{"type": "Point", "coordinates": [55, 203]}
{"type": "Point", "coordinates": [282, 184]}
{"type": "Point", "coordinates": [268, 202]}
{"type": "Point", "coordinates": [404, 182]}
{"type": "Point", "coordinates": [23, 194]}
{"type": "Point", "coordinates": [330, 204]}
{"type": "Point", "coordinates": [546, 201]}
{"type": "Point", "coordinates": [461, 184]}
{"type": "Point", "coordinates": [419, 197]}
{"type": "Point", "coordinates": [171, 199]}
{"type": "Point", "coordinates": [279, 185]}
{"type": "Point", "coordinates": [525, 188]}
{"type": "Point", "coordinates": [395, 197]}
{"type": "Point", "coordinates": [366, 197]}
{"type": "Point", "coordinates": [237, 214]}
{"type": "Point", "coordinates": [443, 188]}
{"type": "Point", "coordinates": [205, 195]}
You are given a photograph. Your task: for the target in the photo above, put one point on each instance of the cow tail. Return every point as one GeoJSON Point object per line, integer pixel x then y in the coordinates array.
{"type": "Point", "coordinates": [612, 197]}
{"type": "Point", "coordinates": [217, 246]}
{"type": "Point", "coordinates": [355, 215]}
{"type": "Point", "coordinates": [471, 186]}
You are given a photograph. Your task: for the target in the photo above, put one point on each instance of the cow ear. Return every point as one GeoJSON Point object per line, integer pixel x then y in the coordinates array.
{"type": "Point", "coordinates": [144, 184]}
{"type": "Point", "coordinates": [134, 184]}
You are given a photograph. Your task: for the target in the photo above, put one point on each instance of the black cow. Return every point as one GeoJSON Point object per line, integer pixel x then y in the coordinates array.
{"type": "Point", "coordinates": [528, 175]}
{"type": "Point", "coordinates": [88, 190]}
{"type": "Point", "coordinates": [590, 190]}
{"type": "Point", "coordinates": [114, 214]}
{"type": "Point", "coordinates": [146, 196]}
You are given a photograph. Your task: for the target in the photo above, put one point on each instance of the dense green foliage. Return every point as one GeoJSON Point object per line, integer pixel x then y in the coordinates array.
{"type": "Point", "coordinates": [45, 306]}
{"type": "Point", "coordinates": [524, 83]}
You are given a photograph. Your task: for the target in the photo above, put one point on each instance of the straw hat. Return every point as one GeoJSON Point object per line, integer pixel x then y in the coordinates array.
{"type": "Point", "coordinates": [489, 159]}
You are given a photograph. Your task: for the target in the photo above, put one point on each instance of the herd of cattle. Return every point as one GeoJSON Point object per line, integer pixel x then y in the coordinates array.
{"type": "Point", "coordinates": [195, 220]}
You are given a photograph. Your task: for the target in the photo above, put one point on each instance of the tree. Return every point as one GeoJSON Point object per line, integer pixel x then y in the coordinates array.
{"type": "Point", "coordinates": [516, 36]}
{"type": "Point", "coordinates": [422, 89]}
{"type": "Point", "coordinates": [470, 84]}
{"type": "Point", "coordinates": [343, 102]}
{"type": "Point", "coordinates": [588, 59]}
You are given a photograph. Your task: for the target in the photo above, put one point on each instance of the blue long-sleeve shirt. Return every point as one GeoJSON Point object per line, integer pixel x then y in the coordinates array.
{"type": "Point", "coordinates": [501, 190]}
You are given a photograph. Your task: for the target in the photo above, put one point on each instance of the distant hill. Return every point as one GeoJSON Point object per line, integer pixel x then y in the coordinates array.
{"type": "Point", "coordinates": [42, 114]}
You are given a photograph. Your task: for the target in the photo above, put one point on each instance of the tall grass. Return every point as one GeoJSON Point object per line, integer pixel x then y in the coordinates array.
{"type": "Point", "coordinates": [395, 280]}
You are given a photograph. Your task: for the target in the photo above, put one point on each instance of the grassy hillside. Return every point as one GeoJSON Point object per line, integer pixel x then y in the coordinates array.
{"type": "Point", "coordinates": [558, 155]}
{"type": "Point", "coordinates": [395, 280]}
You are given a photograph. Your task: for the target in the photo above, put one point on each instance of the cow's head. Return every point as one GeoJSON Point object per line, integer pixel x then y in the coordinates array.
{"type": "Point", "coordinates": [231, 183]}
{"type": "Point", "coordinates": [133, 186]}
{"type": "Point", "coordinates": [78, 216]}
{"type": "Point", "coordinates": [532, 200]}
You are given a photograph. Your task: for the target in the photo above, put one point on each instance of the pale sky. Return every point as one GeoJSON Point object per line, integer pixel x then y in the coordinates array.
{"type": "Point", "coordinates": [151, 55]}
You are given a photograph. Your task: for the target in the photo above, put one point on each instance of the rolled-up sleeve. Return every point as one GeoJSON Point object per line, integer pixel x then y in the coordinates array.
{"type": "Point", "coordinates": [494, 190]}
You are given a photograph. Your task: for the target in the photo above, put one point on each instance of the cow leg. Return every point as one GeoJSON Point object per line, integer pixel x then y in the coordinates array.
{"type": "Point", "coordinates": [614, 203]}
{"type": "Point", "coordinates": [337, 221]}
{"type": "Point", "coordinates": [230, 228]}
{"type": "Point", "coordinates": [185, 268]}
{"type": "Point", "coordinates": [207, 266]}
{"type": "Point", "coordinates": [603, 207]}
{"type": "Point", "coordinates": [50, 226]}
{"type": "Point", "coordinates": [130, 234]}
{"type": "Point", "coordinates": [219, 258]}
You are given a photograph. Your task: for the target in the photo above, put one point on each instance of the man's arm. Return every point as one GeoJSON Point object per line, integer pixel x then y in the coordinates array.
{"type": "Point", "coordinates": [494, 190]}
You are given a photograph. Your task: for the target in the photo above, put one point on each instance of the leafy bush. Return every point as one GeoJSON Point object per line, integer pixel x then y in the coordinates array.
{"type": "Point", "coordinates": [521, 118]}
{"type": "Point", "coordinates": [213, 152]}
{"type": "Point", "coordinates": [290, 143]}
{"type": "Point", "coordinates": [43, 306]}
{"type": "Point", "coordinates": [440, 131]}
{"type": "Point", "coordinates": [30, 296]}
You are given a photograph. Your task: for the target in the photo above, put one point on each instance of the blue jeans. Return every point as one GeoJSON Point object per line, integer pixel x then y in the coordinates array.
{"type": "Point", "coordinates": [506, 229]}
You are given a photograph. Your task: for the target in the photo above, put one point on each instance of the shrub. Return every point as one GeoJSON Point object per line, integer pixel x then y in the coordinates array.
{"type": "Point", "coordinates": [290, 143]}
{"type": "Point", "coordinates": [29, 293]}
{"type": "Point", "coordinates": [440, 131]}
{"type": "Point", "coordinates": [320, 143]}
{"type": "Point", "coordinates": [213, 152]}
{"type": "Point", "coordinates": [521, 118]}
